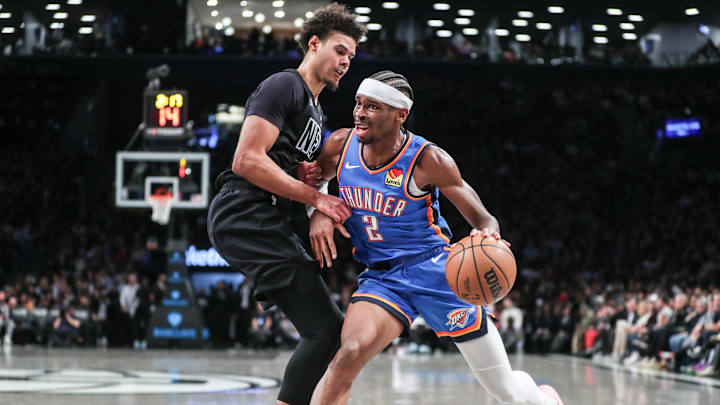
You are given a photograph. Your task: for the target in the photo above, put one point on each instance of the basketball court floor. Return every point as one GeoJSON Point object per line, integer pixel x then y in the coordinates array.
{"type": "Point", "coordinates": [32, 376]}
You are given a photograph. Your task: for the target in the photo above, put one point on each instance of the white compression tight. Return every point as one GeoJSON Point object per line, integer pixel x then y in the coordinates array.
{"type": "Point", "coordinates": [489, 363]}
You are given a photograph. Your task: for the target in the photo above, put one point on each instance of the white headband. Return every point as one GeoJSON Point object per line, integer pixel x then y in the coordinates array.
{"type": "Point", "coordinates": [384, 93]}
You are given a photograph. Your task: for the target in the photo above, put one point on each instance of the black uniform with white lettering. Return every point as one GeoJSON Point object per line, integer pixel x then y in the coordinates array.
{"type": "Point", "coordinates": [262, 235]}
{"type": "Point", "coordinates": [255, 231]}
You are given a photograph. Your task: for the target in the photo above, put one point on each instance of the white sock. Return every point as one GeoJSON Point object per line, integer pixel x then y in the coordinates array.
{"type": "Point", "coordinates": [489, 363]}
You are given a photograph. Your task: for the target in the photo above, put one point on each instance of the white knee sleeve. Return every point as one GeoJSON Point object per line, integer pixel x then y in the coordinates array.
{"type": "Point", "coordinates": [489, 363]}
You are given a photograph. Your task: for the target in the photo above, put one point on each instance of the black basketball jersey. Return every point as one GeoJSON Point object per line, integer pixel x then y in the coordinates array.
{"type": "Point", "coordinates": [285, 100]}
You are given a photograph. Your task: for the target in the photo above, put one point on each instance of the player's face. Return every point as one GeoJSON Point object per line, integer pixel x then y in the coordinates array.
{"type": "Point", "coordinates": [334, 55]}
{"type": "Point", "coordinates": [374, 120]}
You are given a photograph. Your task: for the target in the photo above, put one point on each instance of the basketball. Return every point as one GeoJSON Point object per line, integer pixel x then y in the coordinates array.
{"type": "Point", "coordinates": [480, 271]}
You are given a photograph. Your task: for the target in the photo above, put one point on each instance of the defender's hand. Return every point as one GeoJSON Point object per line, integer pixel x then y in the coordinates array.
{"type": "Point", "coordinates": [486, 233]}
{"type": "Point", "coordinates": [333, 207]}
{"type": "Point", "coordinates": [322, 230]}
{"type": "Point", "coordinates": [310, 173]}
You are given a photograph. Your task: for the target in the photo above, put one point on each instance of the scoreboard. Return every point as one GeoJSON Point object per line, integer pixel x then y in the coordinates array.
{"type": "Point", "coordinates": [165, 113]}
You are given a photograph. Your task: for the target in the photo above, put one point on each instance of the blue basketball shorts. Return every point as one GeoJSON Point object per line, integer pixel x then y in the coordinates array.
{"type": "Point", "coordinates": [407, 291]}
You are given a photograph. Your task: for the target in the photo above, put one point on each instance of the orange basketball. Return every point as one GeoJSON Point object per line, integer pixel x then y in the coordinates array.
{"type": "Point", "coordinates": [480, 271]}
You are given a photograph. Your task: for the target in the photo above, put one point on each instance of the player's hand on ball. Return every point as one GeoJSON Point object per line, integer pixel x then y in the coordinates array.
{"type": "Point", "coordinates": [322, 230]}
{"type": "Point", "coordinates": [333, 207]}
{"type": "Point", "coordinates": [486, 233]}
{"type": "Point", "coordinates": [310, 173]}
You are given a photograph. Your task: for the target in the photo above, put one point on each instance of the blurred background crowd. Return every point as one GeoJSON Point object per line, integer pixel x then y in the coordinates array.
{"type": "Point", "coordinates": [614, 226]}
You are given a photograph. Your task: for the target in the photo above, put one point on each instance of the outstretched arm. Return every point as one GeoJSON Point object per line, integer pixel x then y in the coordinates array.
{"type": "Point", "coordinates": [252, 163]}
{"type": "Point", "coordinates": [437, 168]}
{"type": "Point", "coordinates": [322, 227]}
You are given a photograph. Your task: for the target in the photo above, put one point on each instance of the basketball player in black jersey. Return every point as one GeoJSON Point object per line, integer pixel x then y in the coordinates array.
{"type": "Point", "coordinates": [252, 221]}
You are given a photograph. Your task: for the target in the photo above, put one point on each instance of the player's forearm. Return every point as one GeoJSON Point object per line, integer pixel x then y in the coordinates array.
{"type": "Point", "coordinates": [260, 170]}
{"type": "Point", "coordinates": [482, 221]}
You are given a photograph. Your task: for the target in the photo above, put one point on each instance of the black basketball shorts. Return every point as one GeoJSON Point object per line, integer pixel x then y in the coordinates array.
{"type": "Point", "coordinates": [253, 231]}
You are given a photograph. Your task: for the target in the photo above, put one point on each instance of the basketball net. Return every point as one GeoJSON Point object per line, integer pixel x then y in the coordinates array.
{"type": "Point", "coordinates": [161, 206]}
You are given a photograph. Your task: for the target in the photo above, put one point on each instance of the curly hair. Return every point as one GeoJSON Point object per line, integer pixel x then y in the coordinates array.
{"type": "Point", "coordinates": [331, 18]}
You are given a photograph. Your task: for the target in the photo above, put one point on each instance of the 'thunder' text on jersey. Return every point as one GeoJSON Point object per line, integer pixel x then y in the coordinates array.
{"type": "Point", "coordinates": [389, 222]}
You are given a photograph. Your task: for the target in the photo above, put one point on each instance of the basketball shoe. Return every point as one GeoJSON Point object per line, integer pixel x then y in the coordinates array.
{"type": "Point", "coordinates": [550, 391]}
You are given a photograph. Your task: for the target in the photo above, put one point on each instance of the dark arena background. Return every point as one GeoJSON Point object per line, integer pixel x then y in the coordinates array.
{"type": "Point", "coordinates": [591, 131]}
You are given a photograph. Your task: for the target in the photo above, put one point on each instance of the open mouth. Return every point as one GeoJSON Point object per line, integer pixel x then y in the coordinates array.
{"type": "Point", "coordinates": [339, 73]}
{"type": "Point", "coordinates": [361, 128]}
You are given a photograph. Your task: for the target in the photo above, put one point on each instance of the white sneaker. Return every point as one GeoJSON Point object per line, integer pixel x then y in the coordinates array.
{"type": "Point", "coordinates": [632, 359]}
{"type": "Point", "coordinates": [550, 391]}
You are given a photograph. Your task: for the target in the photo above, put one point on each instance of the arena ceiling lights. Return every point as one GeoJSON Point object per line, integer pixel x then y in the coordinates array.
{"type": "Point", "coordinates": [519, 23]}
{"type": "Point", "coordinates": [441, 6]}
{"type": "Point", "coordinates": [8, 30]}
{"type": "Point", "coordinates": [74, 2]}
{"type": "Point", "coordinates": [635, 17]}
{"type": "Point", "coordinates": [391, 5]}
{"type": "Point", "coordinates": [630, 36]}
{"type": "Point", "coordinates": [5, 16]}
{"type": "Point", "coordinates": [600, 40]}
{"type": "Point", "coordinates": [523, 38]}
{"type": "Point", "coordinates": [466, 12]}
{"type": "Point", "coordinates": [52, 6]}
{"type": "Point", "coordinates": [214, 13]}
{"type": "Point", "coordinates": [362, 19]}
{"type": "Point", "coordinates": [374, 26]}
{"type": "Point", "coordinates": [501, 32]}
{"type": "Point", "coordinates": [692, 11]}
{"type": "Point", "coordinates": [543, 26]}
{"type": "Point", "coordinates": [444, 33]}
{"type": "Point", "coordinates": [87, 18]}
{"type": "Point", "coordinates": [599, 27]}
{"type": "Point", "coordinates": [363, 10]}
{"type": "Point", "coordinates": [555, 9]}
{"type": "Point", "coordinates": [525, 14]}
{"type": "Point", "coordinates": [627, 26]}
{"type": "Point", "coordinates": [435, 23]}
{"type": "Point", "coordinates": [462, 21]}
{"type": "Point", "coordinates": [212, 3]}
{"type": "Point", "coordinates": [614, 11]}
{"type": "Point", "coordinates": [278, 3]}
{"type": "Point", "coordinates": [279, 14]}
{"type": "Point", "coordinates": [470, 31]}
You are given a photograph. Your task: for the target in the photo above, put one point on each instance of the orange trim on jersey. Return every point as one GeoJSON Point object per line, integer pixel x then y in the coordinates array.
{"type": "Point", "coordinates": [468, 329]}
{"type": "Point", "coordinates": [411, 169]}
{"type": "Point", "coordinates": [342, 157]}
{"type": "Point", "coordinates": [383, 300]}
{"type": "Point", "coordinates": [431, 221]}
{"type": "Point", "coordinates": [383, 167]}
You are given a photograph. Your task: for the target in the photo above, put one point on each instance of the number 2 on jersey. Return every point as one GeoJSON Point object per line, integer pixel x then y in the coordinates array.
{"type": "Point", "coordinates": [372, 228]}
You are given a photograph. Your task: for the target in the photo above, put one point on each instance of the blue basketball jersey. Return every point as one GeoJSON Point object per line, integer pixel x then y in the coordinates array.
{"type": "Point", "coordinates": [387, 221]}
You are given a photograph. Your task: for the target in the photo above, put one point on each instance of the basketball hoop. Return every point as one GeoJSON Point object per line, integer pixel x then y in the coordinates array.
{"type": "Point", "coordinates": [161, 204]}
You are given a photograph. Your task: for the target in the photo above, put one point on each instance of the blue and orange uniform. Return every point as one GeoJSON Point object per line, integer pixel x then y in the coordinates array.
{"type": "Point", "coordinates": [399, 234]}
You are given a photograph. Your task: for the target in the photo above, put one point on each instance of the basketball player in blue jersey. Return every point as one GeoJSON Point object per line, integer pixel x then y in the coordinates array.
{"type": "Point", "coordinates": [391, 178]}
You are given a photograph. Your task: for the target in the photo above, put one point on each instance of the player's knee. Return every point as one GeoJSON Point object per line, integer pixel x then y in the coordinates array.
{"type": "Point", "coordinates": [349, 355]}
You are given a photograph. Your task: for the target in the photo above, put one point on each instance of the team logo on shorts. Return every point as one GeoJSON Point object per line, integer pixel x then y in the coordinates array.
{"type": "Point", "coordinates": [459, 318]}
{"type": "Point", "coordinates": [394, 177]}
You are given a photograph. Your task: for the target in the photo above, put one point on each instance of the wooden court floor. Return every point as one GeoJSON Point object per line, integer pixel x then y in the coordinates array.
{"type": "Point", "coordinates": [36, 376]}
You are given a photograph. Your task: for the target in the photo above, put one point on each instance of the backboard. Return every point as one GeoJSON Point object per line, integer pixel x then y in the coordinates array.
{"type": "Point", "coordinates": [185, 175]}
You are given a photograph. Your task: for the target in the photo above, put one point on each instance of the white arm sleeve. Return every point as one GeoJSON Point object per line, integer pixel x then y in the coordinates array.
{"type": "Point", "coordinates": [309, 209]}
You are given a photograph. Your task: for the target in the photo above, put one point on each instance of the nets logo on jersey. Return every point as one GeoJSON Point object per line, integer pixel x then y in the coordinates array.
{"type": "Point", "coordinates": [458, 318]}
{"type": "Point", "coordinates": [310, 139]}
{"type": "Point", "coordinates": [394, 177]}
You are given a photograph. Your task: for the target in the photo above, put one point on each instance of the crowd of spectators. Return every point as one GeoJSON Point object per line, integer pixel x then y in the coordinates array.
{"type": "Point", "coordinates": [254, 43]}
{"type": "Point", "coordinates": [612, 227]}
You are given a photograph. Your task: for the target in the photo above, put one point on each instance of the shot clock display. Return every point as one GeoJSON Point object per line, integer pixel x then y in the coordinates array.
{"type": "Point", "coordinates": [165, 112]}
